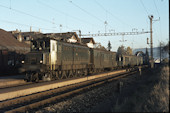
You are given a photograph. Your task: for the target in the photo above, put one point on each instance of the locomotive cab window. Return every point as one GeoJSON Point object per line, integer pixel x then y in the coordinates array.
{"type": "Point", "coordinates": [40, 45]}
{"type": "Point", "coordinates": [121, 58]}
{"type": "Point", "coordinates": [34, 45]}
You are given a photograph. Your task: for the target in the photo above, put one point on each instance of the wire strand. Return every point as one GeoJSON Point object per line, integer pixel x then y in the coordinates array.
{"type": "Point", "coordinates": [63, 13]}
{"type": "Point", "coordinates": [144, 7]}
{"type": "Point", "coordinates": [39, 18]}
{"type": "Point", "coordinates": [24, 24]}
{"type": "Point", "coordinates": [112, 14]}
{"type": "Point", "coordinates": [87, 12]}
{"type": "Point", "coordinates": [156, 8]}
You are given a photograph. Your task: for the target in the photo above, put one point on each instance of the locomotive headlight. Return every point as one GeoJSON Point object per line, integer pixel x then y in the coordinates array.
{"type": "Point", "coordinates": [22, 61]}
{"type": "Point", "coordinates": [41, 61]}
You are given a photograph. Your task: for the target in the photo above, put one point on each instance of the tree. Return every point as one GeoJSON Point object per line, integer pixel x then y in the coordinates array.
{"type": "Point", "coordinates": [129, 51]}
{"type": "Point", "coordinates": [99, 46]}
{"type": "Point", "coordinates": [121, 50]}
{"type": "Point", "coordinates": [163, 50]}
{"type": "Point", "coordinates": [166, 47]}
{"type": "Point", "coordinates": [109, 47]}
{"type": "Point", "coordinates": [124, 51]}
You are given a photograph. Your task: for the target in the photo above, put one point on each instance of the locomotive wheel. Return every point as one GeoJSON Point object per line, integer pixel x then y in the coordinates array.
{"type": "Point", "coordinates": [96, 71]}
{"type": "Point", "coordinates": [59, 75]}
{"type": "Point", "coordinates": [47, 77]}
{"type": "Point", "coordinates": [56, 75]}
{"type": "Point", "coordinates": [36, 77]}
{"type": "Point", "coordinates": [64, 75]}
{"type": "Point", "coordinates": [27, 77]}
{"type": "Point", "coordinates": [33, 77]}
{"type": "Point", "coordinates": [79, 73]}
{"type": "Point", "coordinates": [70, 74]}
{"type": "Point", "coordinates": [85, 72]}
{"type": "Point", "coordinates": [74, 73]}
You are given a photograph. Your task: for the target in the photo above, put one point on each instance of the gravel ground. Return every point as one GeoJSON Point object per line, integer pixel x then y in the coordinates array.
{"type": "Point", "coordinates": [100, 99]}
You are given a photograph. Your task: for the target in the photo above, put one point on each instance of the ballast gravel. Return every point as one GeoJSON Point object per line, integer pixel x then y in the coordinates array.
{"type": "Point", "coordinates": [93, 100]}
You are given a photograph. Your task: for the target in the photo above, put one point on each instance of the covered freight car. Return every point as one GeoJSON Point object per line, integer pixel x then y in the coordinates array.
{"type": "Point", "coordinates": [103, 60]}
{"type": "Point", "coordinates": [129, 60]}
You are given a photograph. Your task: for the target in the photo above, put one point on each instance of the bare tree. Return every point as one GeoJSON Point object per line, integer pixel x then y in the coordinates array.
{"type": "Point", "coordinates": [166, 47]}
{"type": "Point", "coordinates": [129, 51]}
{"type": "Point", "coordinates": [99, 46]}
{"type": "Point", "coordinates": [163, 50]}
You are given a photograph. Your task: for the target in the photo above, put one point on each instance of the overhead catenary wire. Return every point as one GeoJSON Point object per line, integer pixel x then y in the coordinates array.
{"type": "Point", "coordinates": [86, 12]}
{"type": "Point", "coordinates": [103, 22]}
{"type": "Point", "coordinates": [111, 14]}
{"type": "Point", "coordinates": [105, 11]}
{"type": "Point", "coordinates": [24, 24]}
{"type": "Point", "coordinates": [144, 7]}
{"type": "Point", "coordinates": [36, 17]}
{"type": "Point", "coordinates": [159, 18]}
{"type": "Point", "coordinates": [10, 4]}
{"type": "Point", "coordinates": [21, 12]}
{"type": "Point", "coordinates": [156, 8]}
{"type": "Point", "coordinates": [66, 14]}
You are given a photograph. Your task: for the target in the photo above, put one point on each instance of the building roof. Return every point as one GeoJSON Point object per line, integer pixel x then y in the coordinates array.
{"type": "Point", "coordinates": [87, 40]}
{"type": "Point", "coordinates": [33, 35]}
{"type": "Point", "coordinates": [63, 36]}
{"type": "Point", "coordinates": [36, 35]}
{"type": "Point", "coordinates": [8, 42]}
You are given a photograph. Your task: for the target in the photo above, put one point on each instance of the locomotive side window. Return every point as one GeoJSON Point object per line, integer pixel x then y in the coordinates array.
{"type": "Point", "coordinates": [120, 59]}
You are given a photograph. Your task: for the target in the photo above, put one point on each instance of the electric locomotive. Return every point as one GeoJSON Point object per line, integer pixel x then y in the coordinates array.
{"type": "Point", "coordinates": [51, 59]}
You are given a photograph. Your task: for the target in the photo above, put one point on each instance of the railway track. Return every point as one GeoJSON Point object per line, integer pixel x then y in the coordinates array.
{"type": "Point", "coordinates": [17, 83]}
{"type": "Point", "coordinates": [25, 103]}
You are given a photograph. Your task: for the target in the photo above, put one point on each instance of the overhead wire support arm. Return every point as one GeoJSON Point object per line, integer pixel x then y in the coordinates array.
{"type": "Point", "coordinates": [115, 34]}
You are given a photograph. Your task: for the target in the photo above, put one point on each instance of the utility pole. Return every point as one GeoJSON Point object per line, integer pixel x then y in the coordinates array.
{"type": "Point", "coordinates": [160, 52]}
{"type": "Point", "coordinates": [123, 40]}
{"type": "Point", "coordinates": [80, 35]}
{"type": "Point", "coordinates": [105, 25]}
{"type": "Point", "coordinates": [151, 42]}
{"type": "Point", "coordinates": [60, 28]}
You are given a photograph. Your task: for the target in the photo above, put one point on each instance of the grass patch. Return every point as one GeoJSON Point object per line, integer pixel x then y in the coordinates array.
{"type": "Point", "coordinates": [151, 94]}
{"type": "Point", "coordinates": [159, 96]}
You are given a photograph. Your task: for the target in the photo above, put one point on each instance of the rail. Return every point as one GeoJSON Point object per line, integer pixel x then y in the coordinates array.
{"type": "Point", "coordinates": [42, 98]}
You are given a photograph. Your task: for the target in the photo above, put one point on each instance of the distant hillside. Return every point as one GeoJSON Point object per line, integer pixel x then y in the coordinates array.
{"type": "Point", "coordinates": [156, 52]}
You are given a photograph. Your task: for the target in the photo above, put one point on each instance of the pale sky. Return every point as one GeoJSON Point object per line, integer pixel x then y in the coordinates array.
{"type": "Point", "coordinates": [89, 16]}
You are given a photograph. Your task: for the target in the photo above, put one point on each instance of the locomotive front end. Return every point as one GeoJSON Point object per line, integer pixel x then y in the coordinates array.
{"type": "Point", "coordinates": [34, 65]}
{"type": "Point", "coordinates": [36, 62]}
